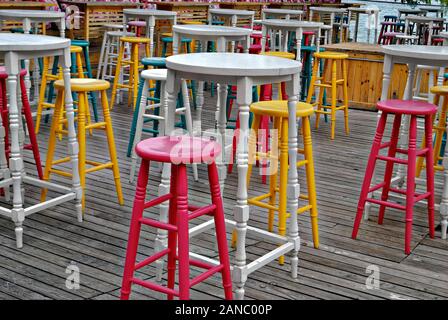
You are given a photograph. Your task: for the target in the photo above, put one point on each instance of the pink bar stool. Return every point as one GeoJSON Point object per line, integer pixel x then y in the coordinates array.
{"type": "Point", "coordinates": [178, 151]}
{"type": "Point", "coordinates": [398, 108]}
{"type": "Point", "coordinates": [33, 145]}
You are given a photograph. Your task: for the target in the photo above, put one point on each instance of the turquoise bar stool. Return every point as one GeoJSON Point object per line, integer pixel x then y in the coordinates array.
{"type": "Point", "coordinates": [167, 40]}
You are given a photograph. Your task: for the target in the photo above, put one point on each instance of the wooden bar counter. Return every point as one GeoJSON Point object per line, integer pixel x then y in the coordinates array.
{"type": "Point", "coordinates": [365, 74]}
{"type": "Point", "coordinates": [25, 5]}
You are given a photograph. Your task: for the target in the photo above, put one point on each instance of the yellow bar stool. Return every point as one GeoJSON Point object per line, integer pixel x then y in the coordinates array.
{"type": "Point", "coordinates": [82, 87]}
{"type": "Point", "coordinates": [278, 179]}
{"type": "Point", "coordinates": [133, 61]}
{"type": "Point", "coordinates": [330, 67]}
{"type": "Point", "coordinates": [439, 129]}
{"type": "Point", "coordinates": [51, 76]}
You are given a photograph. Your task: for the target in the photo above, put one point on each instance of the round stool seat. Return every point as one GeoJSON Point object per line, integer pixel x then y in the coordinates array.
{"type": "Point", "coordinates": [388, 16]}
{"type": "Point", "coordinates": [442, 90]}
{"type": "Point", "coordinates": [280, 54]}
{"type": "Point", "coordinates": [75, 49]}
{"type": "Point", "coordinates": [155, 74]}
{"type": "Point", "coordinates": [120, 33]}
{"type": "Point", "coordinates": [170, 40]}
{"type": "Point", "coordinates": [279, 108]}
{"type": "Point", "coordinates": [406, 36]}
{"type": "Point", "coordinates": [308, 48]}
{"type": "Point", "coordinates": [4, 74]}
{"type": "Point", "coordinates": [113, 26]}
{"type": "Point", "coordinates": [154, 62]}
{"type": "Point", "coordinates": [411, 107]}
{"type": "Point", "coordinates": [388, 23]}
{"type": "Point", "coordinates": [80, 43]}
{"type": "Point", "coordinates": [134, 40]}
{"type": "Point", "coordinates": [178, 149]}
{"type": "Point", "coordinates": [392, 34]}
{"type": "Point", "coordinates": [191, 22]}
{"type": "Point", "coordinates": [136, 23]}
{"type": "Point", "coordinates": [84, 84]}
{"type": "Point", "coordinates": [331, 55]}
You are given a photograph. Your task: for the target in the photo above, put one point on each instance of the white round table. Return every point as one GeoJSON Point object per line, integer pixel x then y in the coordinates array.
{"type": "Point", "coordinates": [13, 49]}
{"type": "Point", "coordinates": [270, 26]}
{"type": "Point", "coordinates": [414, 55]}
{"type": "Point", "coordinates": [244, 71]}
{"type": "Point", "coordinates": [332, 11]}
{"type": "Point", "coordinates": [433, 9]}
{"type": "Point", "coordinates": [281, 14]}
{"type": "Point", "coordinates": [150, 16]}
{"type": "Point", "coordinates": [28, 18]}
{"type": "Point", "coordinates": [231, 14]}
{"type": "Point", "coordinates": [371, 13]}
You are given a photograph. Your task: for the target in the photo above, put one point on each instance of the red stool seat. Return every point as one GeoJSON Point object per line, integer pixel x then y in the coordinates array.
{"type": "Point", "coordinates": [407, 107]}
{"type": "Point", "coordinates": [388, 23]}
{"type": "Point", "coordinates": [136, 23]}
{"type": "Point", "coordinates": [178, 149]}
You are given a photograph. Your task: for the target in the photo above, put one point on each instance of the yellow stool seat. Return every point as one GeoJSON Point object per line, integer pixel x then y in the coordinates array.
{"type": "Point", "coordinates": [84, 84]}
{"type": "Point", "coordinates": [331, 55]}
{"type": "Point", "coordinates": [134, 40]}
{"type": "Point", "coordinates": [192, 22]}
{"type": "Point", "coordinates": [167, 34]}
{"type": "Point", "coordinates": [279, 108]}
{"type": "Point", "coordinates": [75, 49]}
{"type": "Point", "coordinates": [280, 54]}
{"type": "Point", "coordinates": [442, 90]}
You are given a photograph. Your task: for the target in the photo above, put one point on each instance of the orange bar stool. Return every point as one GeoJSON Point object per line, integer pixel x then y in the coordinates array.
{"type": "Point", "coordinates": [82, 87]}
{"type": "Point", "coordinates": [278, 180]}
{"type": "Point", "coordinates": [178, 151]}
{"type": "Point", "coordinates": [399, 109]}
{"type": "Point", "coordinates": [134, 65]}
{"type": "Point", "coordinates": [51, 77]}
{"type": "Point", "coordinates": [330, 67]}
{"type": "Point", "coordinates": [439, 129]}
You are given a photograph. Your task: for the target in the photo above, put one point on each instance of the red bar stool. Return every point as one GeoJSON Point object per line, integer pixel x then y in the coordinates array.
{"type": "Point", "coordinates": [33, 145]}
{"type": "Point", "coordinates": [398, 108]}
{"type": "Point", "coordinates": [178, 151]}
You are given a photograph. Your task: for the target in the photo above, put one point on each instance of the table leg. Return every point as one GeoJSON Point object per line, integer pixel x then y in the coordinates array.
{"type": "Point", "coordinates": [369, 23]}
{"type": "Point", "coordinates": [151, 22]}
{"type": "Point", "coordinates": [444, 202]}
{"type": "Point", "coordinates": [200, 97]}
{"type": "Point", "coordinates": [241, 210]}
{"type": "Point", "coordinates": [356, 27]}
{"type": "Point", "coordinates": [376, 17]}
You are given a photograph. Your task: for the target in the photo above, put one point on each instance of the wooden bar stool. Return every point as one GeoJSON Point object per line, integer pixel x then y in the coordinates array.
{"type": "Point", "coordinates": [330, 67]}
{"type": "Point", "coordinates": [177, 151]}
{"type": "Point", "coordinates": [439, 130]}
{"type": "Point", "coordinates": [51, 77]}
{"type": "Point", "coordinates": [278, 180]}
{"type": "Point", "coordinates": [400, 108]}
{"type": "Point", "coordinates": [133, 63]}
{"type": "Point", "coordinates": [82, 87]}
{"type": "Point", "coordinates": [26, 111]}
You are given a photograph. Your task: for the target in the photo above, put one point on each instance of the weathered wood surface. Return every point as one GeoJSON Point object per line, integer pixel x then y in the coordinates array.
{"type": "Point", "coordinates": [53, 239]}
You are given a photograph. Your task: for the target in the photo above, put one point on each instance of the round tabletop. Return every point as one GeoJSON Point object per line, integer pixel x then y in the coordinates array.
{"type": "Point", "coordinates": [233, 64]}
{"type": "Point", "coordinates": [328, 9]}
{"type": "Point", "coordinates": [415, 18]}
{"type": "Point", "coordinates": [232, 12]}
{"type": "Point", "coordinates": [211, 30]}
{"type": "Point", "coordinates": [149, 12]}
{"type": "Point", "coordinates": [37, 14]}
{"type": "Point", "coordinates": [417, 51]}
{"type": "Point", "coordinates": [30, 42]}
{"type": "Point", "coordinates": [431, 8]}
{"type": "Point", "coordinates": [408, 10]}
{"type": "Point", "coordinates": [283, 11]}
{"type": "Point", "coordinates": [363, 9]}
{"type": "Point", "coordinates": [292, 23]}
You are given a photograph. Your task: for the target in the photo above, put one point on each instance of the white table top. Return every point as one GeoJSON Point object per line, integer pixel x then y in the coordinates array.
{"type": "Point", "coordinates": [283, 11]}
{"type": "Point", "coordinates": [30, 42]}
{"type": "Point", "coordinates": [232, 64]}
{"type": "Point", "coordinates": [363, 9]}
{"type": "Point", "coordinates": [431, 8]}
{"type": "Point", "coordinates": [292, 23]}
{"type": "Point", "coordinates": [409, 10]}
{"type": "Point", "coordinates": [415, 18]}
{"type": "Point", "coordinates": [211, 30]}
{"type": "Point", "coordinates": [328, 9]}
{"type": "Point", "coordinates": [36, 14]}
{"type": "Point", "coordinates": [149, 12]}
{"type": "Point", "coordinates": [231, 12]}
{"type": "Point", "coordinates": [417, 51]}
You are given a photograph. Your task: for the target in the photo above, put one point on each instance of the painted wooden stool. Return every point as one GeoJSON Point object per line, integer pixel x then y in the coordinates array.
{"type": "Point", "coordinates": [26, 111]}
{"type": "Point", "coordinates": [177, 151]}
{"type": "Point", "coordinates": [330, 67]}
{"type": "Point", "coordinates": [133, 63]}
{"type": "Point", "coordinates": [81, 87]}
{"type": "Point", "coordinates": [399, 108]}
{"type": "Point", "coordinates": [143, 112]}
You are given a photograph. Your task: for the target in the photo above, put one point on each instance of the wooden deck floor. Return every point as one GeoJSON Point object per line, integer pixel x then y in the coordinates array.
{"type": "Point", "coordinates": [54, 239]}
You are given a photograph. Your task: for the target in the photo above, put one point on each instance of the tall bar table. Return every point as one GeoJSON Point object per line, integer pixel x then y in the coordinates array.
{"type": "Point", "coordinates": [281, 14]}
{"type": "Point", "coordinates": [244, 71]}
{"type": "Point", "coordinates": [331, 11]}
{"type": "Point", "coordinates": [13, 49]}
{"type": "Point", "coordinates": [371, 13]}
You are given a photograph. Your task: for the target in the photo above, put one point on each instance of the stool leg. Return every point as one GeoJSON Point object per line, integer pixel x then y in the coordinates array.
{"type": "Point", "coordinates": [311, 184]}
{"type": "Point", "coordinates": [172, 235]}
{"type": "Point", "coordinates": [117, 75]}
{"type": "Point", "coordinates": [92, 94]}
{"type": "Point", "coordinates": [441, 125]}
{"type": "Point", "coordinates": [135, 118]}
{"type": "Point", "coordinates": [345, 90]}
{"type": "Point", "coordinates": [220, 227]}
{"type": "Point", "coordinates": [430, 174]}
{"type": "Point", "coordinates": [188, 121]}
{"type": "Point", "coordinates": [334, 87]}
{"type": "Point", "coordinates": [112, 148]}
{"type": "Point", "coordinates": [135, 76]}
{"type": "Point", "coordinates": [182, 229]}
{"type": "Point", "coordinates": [374, 151]}
{"type": "Point", "coordinates": [101, 59]}
{"type": "Point", "coordinates": [134, 230]}
{"type": "Point", "coordinates": [282, 203]}
{"type": "Point", "coordinates": [274, 175]}
{"type": "Point", "coordinates": [43, 88]}
{"type": "Point", "coordinates": [82, 142]}
{"type": "Point", "coordinates": [390, 165]}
